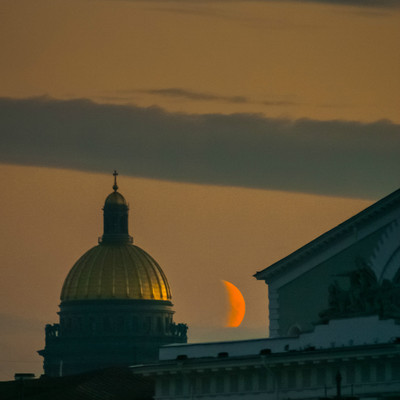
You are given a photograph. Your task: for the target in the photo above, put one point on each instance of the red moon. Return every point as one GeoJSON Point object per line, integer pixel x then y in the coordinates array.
{"type": "Point", "coordinates": [237, 305]}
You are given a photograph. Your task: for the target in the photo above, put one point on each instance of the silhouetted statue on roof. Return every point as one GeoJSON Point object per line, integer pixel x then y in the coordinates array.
{"type": "Point", "coordinates": [365, 296]}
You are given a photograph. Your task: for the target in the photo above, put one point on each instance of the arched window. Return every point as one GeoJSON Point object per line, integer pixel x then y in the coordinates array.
{"type": "Point", "coordinates": [147, 324]}
{"type": "Point", "coordinates": [159, 325]}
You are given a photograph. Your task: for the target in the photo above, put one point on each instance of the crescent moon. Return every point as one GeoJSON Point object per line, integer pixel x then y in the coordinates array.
{"type": "Point", "coordinates": [237, 305]}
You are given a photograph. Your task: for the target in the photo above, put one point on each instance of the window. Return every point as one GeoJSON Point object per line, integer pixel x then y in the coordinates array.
{"type": "Point", "coordinates": [350, 374]}
{"type": "Point", "coordinates": [396, 370]}
{"type": "Point", "coordinates": [178, 386]}
{"type": "Point", "coordinates": [278, 379]}
{"type": "Point", "coordinates": [333, 374]}
{"type": "Point", "coordinates": [220, 384]}
{"type": "Point", "coordinates": [294, 331]}
{"type": "Point", "coordinates": [135, 323]}
{"type": "Point", "coordinates": [159, 324]}
{"type": "Point", "coordinates": [248, 381]}
{"type": "Point", "coordinates": [233, 383]}
{"type": "Point", "coordinates": [147, 324]}
{"type": "Point", "coordinates": [321, 376]}
{"type": "Point", "coordinates": [167, 324]}
{"type": "Point", "coordinates": [165, 386]}
{"type": "Point", "coordinates": [205, 384]}
{"type": "Point", "coordinates": [262, 381]}
{"type": "Point", "coordinates": [365, 373]}
{"type": "Point", "coordinates": [291, 378]}
{"type": "Point", "coordinates": [192, 386]}
{"type": "Point", "coordinates": [306, 377]}
{"type": "Point", "coordinates": [380, 372]}
{"type": "Point", "coordinates": [68, 324]}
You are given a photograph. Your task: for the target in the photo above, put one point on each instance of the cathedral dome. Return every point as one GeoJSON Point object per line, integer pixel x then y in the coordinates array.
{"type": "Point", "coordinates": [116, 272]}
{"type": "Point", "coordinates": [116, 269]}
{"type": "Point", "coordinates": [115, 308]}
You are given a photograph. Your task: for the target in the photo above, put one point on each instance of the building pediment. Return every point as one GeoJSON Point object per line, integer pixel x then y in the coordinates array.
{"type": "Point", "coordinates": [368, 221]}
{"type": "Point", "coordinates": [317, 277]}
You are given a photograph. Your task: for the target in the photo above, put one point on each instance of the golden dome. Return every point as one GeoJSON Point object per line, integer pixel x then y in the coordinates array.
{"type": "Point", "coordinates": [121, 271]}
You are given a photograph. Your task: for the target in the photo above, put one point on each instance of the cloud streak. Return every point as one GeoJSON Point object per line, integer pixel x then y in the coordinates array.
{"type": "Point", "coordinates": [350, 3]}
{"type": "Point", "coordinates": [192, 95]}
{"type": "Point", "coordinates": [357, 3]}
{"type": "Point", "coordinates": [186, 94]}
{"type": "Point", "coordinates": [325, 157]}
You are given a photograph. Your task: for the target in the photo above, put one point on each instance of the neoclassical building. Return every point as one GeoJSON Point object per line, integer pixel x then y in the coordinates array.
{"type": "Point", "coordinates": [334, 309]}
{"type": "Point", "coordinates": [368, 245]}
{"type": "Point", "coordinates": [116, 307]}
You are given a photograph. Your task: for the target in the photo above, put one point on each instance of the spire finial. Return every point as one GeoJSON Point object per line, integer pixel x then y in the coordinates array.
{"type": "Point", "coordinates": [115, 186]}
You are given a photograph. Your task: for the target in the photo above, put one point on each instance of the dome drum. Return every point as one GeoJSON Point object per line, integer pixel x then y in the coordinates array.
{"type": "Point", "coordinates": [116, 320]}
{"type": "Point", "coordinates": [118, 317]}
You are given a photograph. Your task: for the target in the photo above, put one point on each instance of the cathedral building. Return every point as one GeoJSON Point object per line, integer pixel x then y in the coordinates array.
{"type": "Point", "coordinates": [116, 307]}
{"type": "Point", "coordinates": [334, 310]}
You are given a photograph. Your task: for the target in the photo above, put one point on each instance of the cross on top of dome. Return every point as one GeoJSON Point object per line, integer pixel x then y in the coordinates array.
{"type": "Point", "coordinates": [115, 186]}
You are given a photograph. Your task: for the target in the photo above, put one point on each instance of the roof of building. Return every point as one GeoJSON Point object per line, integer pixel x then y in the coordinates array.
{"type": "Point", "coordinates": [357, 331]}
{"type": "Point", "coordinates": [265, 358]}
{"type": "Point", "coordinates": [367, 216]}
{"type": "Point", "coordinates": [116, 271]}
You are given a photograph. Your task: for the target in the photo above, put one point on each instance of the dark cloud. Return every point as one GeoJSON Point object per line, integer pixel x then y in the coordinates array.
{"type": "Point", "coordinates": [326, 157]}
{"type": "Point", "coordinates": [352, 3]}
{"type": "Point", "coordinates": [193, 95]}
{"type": "Point", "coordinates": [357, 3]}
{"type": "Point", "coordinates": [277, 103]}
{"type": "Point", "coordinates": [185, 94]}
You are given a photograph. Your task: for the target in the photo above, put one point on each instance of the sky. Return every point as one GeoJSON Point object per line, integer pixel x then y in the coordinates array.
{"type": "Point", "coordinates": [241, 130]}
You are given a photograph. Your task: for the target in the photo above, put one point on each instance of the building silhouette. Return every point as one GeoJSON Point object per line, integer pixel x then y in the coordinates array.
{"type": "Point", "coordinates": [115, 306]}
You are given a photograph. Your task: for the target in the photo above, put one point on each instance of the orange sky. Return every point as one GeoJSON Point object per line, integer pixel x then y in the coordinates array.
{"type": "Point", "coordinates": [307, 59]}
{"type": "Point", "coordinates": [198, 234]}
{"type": "Point", "coordinates": [280, 59]}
